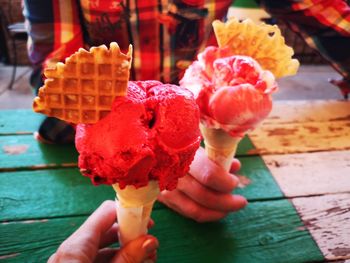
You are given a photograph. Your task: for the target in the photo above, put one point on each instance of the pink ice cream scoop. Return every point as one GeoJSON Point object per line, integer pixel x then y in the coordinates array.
{"type": "Point", "coordinates": [233, 92]}
{"type": "Point", "coordinates": [150, 134]}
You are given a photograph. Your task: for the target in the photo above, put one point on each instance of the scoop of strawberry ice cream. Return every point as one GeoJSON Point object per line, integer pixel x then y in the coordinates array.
{"type": "Point", "coordinates": [150, 134]}
{"type": "Point", "coordinates": [233, 92]}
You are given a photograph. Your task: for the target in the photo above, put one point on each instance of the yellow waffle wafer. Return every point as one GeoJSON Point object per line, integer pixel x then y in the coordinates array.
{"type": "Point", "coordinates": [262, 42]}
{"type": "Point", "coordinates": [82, 89]}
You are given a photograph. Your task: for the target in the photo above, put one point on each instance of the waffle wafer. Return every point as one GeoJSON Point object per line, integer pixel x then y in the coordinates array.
{"type": "Point", "coordinates": [263, 42]}
{"type": "Point", "coordinates": [82, 89]}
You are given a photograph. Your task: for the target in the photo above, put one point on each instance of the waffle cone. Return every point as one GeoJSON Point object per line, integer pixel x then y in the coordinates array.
{"type": "Point", "coordinates": [262, 42]}
{"type": "Point", "coordinates": [219, 146]}
{"type": "Point", "coordinates": [82, 89]}
{"type": "Point", "coordinates": [134, 207]}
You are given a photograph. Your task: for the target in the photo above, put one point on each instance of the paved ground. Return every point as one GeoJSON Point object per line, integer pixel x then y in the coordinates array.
{"type": "Point", "coordinates": [311, 83]}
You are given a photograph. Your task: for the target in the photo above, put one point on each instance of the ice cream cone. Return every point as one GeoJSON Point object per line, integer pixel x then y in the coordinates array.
{"type": "Point", "coordinates": [134, 207]}
{"type": "Point", "coordinates": [219, 146]}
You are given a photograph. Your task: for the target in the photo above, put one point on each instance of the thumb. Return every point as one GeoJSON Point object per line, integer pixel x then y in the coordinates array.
{"type": "Point", "coordinates": [138, 250]}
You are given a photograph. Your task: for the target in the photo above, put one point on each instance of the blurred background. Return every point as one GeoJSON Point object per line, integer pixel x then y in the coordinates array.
{"type": "Point", "coordinates": [310, 83]}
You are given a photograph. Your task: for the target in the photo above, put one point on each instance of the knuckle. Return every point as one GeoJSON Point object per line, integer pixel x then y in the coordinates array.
{"type": "Point", "coordinates": [63, 254]}
{"type": "Point", "coordinates": [207, 177]}
{"type": "Point", "coordinates": [196, 214]}
{"type": "Point", "coordinates": [169, 199]}
{"type": "Point", "coordinates": [165, 196]}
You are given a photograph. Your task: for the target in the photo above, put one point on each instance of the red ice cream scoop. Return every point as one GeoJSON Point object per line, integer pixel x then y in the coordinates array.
{"type": "Point", "coordinates": [233, 92]}
{"type": "Point", "coordinates": [150, 134]}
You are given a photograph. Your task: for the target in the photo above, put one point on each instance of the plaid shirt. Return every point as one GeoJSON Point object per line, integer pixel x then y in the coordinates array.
{"type": "Point", "coordinates": [166, 35]}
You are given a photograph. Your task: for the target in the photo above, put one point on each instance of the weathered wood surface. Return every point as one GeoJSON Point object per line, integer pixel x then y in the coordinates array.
{"type": "Point", "coordinates": [35, 240]}
{"type": "Point", "coordinates": [301, 137]}
{"type": "Point", "coordinates": [28, 195]}
{"type": "Point", "coordinates": [317, 169]}
{"type": "Point", "coordinates": [308, 174]}
{"type": "Point", "coordinates": [263, 232]}
{"type": "Point", "coordinates": [23, 151]}
{"type": "Point", "coordinates": [304, 127]}
{"type": "Point", "coordinates": [19, 121]}
{"type": "Point", "coordinates": [327, 217]}
{"type": "Point", "coordinates": [34, 194]}
{"type": "Point", "coordinates": [256, 180]}
{"type": "Point", "coordinates": [36, 217]}
{"type": "Point", "coordinates": [308, 111]}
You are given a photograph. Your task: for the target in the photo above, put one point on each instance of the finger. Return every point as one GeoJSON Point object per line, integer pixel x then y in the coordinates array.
{"type": "Point", "coordinates": [182, 204]}
{"type": "Point", "coordinates": [208, 198]}
{"type": "Point", "coordinates": [86, 240]}
{"type": "Point", "coordinates": [235, 165]}
{"type": "Point", "coordinates": [102, 219]}
{"type": "Point", "coordinates": [212, 175]}
{"type": "Point", "coordinates": [137, 251]}
{"type": "Point", "coordinates": [52, 258]}
{"type": "Point", "coordinates": [110, 237]}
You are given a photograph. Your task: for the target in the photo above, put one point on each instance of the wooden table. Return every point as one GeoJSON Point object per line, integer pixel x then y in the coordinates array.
{"type": "Point", "coordinates": [296, 176]}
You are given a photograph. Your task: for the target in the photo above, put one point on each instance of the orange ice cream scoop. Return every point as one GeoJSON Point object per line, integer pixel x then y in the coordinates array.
{"type": "Point", "coordinates": [233, 92]}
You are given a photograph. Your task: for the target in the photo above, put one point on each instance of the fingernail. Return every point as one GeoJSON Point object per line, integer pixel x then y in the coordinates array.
{"type": "Point", "coordinates": [235, 180]}
{"type": "Point", "coordinates": [235, 166]}
{"type": "Point", "coordinates": [239, 202]}
{"type": "Point", "coordinates": [150, 245]}
{"type": "Point", "coordinates": [242, 201]}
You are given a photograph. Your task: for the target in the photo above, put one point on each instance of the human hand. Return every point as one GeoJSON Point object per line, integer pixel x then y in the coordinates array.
{"type": "Point", "coordinates": [90, 242]}
{"type": "Point", "coordinates": [205, 194]}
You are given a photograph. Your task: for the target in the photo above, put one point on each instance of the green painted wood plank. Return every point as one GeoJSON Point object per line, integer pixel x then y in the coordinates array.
{"type": "Point", "coordinates": [13, 122]}
{"type": "Point", "coordinates": [39, 154]}
{"type": "Point", "coordinates": [267, 231]}
{"type": "Point", "coordinates": [19, 121]}
{"type": "Point", "coordinates": [34, 194]}
{"type": "Point", "coordinates": [35, 241]}
{"type": "Point", "coordinates": [48, 193]}
{"type": "Point", "coordinates": [27, 121]}
{"type": "Point", "coordinates": [33, 153]}
{"type": "Point", "coordinates": [245, 147]}
{"type": "Point", "coordinates": [260, 182]}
